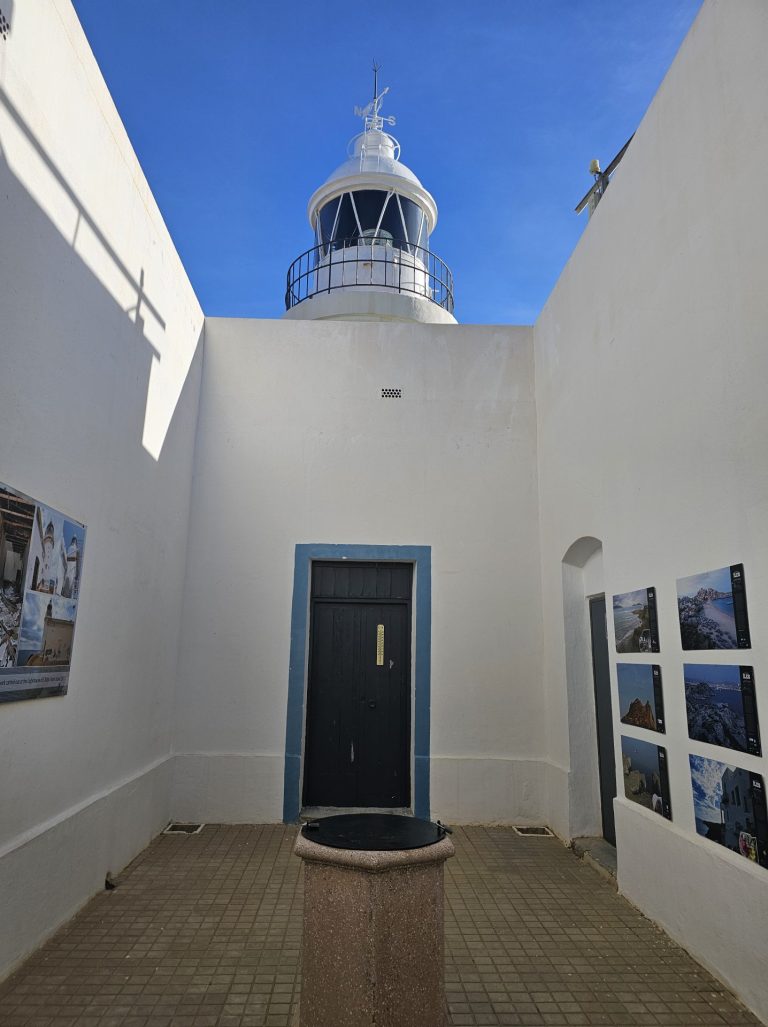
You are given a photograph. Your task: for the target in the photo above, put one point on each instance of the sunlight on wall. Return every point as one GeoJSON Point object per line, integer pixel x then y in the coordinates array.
{"type": "Point", "coordinates": [86, 179]}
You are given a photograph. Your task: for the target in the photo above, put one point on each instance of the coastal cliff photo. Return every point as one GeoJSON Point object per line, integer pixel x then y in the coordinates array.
{"type": "Point", "coordinates": [640, 695]}
{"type": "Point", "coordinates": [645, 775]}
{"type": "Point", "coordinates": [708, 617]}
{"type": "Point", "coordinates": [634, 621]}
{"type": "Point", "coordinates": [721, 708]}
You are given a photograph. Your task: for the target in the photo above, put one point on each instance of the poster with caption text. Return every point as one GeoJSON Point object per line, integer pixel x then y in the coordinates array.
{"type": "Point", "coordinates": [41, 563]}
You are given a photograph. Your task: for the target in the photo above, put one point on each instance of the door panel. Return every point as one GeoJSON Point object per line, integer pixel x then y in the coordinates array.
{"type": "Point", "coordinates": [358, 737]}
{"type": "Point", "coordinates": [604, 715]}
{"type": "Point", "coordinates": [384, 704]}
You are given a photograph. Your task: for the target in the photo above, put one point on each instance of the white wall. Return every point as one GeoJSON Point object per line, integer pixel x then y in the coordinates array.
{"type": "Point", "coordinates": [296, 445]}
{"type": "Point", "coordinates": [651, 364]}
{"type": "Point", "coordinates": [97, 412]}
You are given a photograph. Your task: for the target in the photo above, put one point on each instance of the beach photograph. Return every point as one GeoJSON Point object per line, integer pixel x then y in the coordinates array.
{"type": "Point", "coordinates": [714, 705]}
{"type": "Point", "coordinates": [637, 699]}
{"type": "Point", "coordinates": [723, 804]}
{"type": "Point", "coordinates": [642, 778]}
{"type": "Point", "coordinates": [631, 622]}
{"type": "Point", "coordinates": [705, 605]}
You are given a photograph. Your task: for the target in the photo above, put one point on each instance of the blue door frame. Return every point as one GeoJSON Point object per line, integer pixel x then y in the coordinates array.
{"type": "Point", "coordinates": [421, 557]}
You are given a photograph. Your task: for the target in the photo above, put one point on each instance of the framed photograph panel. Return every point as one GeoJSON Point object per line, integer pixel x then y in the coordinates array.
{"type": "Point", "coordinates": [712, 607]}
{"type": "Point", "coordinates": [729, 806]}
{"type": "Point", "coordinates": [721, 706]}
{"type": "Point", "coordinates": [635, 623]}
{"type": "Point", "coordinates": [641, 700]}
{"type": "Point", "coordinates": [41, 561]}
{"type": "Point", "coordinates": [646, 778]}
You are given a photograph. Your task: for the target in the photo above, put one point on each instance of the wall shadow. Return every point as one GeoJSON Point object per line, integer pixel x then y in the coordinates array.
{"type": "Point", "coordinates": [25, 158]}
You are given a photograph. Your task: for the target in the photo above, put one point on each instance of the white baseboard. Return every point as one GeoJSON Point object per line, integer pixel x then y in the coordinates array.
{"type": "Point", "coordinates": [48, 873]}
{"type": "Point", "coordinates": [488, 790]}
{"type": "Point", "coordinates": [227, 787]}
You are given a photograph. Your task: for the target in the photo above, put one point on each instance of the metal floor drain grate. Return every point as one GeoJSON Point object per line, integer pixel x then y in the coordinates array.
{"type": "Point", "coordinates": [528, 832]}
{"type": "Point", "coordinates": [184, 829]}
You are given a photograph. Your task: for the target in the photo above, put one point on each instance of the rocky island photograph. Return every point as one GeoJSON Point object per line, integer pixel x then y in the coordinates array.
{"type": "Point", "coordinates": [718, 710]}
{"type": "Point", "coordinates": [708, 618]}
{"type": "Point", "coordinates": [639, 694]}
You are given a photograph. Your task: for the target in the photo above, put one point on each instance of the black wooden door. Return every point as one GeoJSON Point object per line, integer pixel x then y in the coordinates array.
{"type": "Point", "coordinates": [604, 715]}
{"type": "Point", "coordinates": [357, 748]}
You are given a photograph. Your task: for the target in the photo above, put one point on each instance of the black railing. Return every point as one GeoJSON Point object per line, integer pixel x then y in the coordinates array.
{"type": "Point", "coordinates": [377, 263]}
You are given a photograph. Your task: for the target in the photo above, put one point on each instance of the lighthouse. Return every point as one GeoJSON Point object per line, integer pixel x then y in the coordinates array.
{"type": "Point", "coordinates": [372, 221]}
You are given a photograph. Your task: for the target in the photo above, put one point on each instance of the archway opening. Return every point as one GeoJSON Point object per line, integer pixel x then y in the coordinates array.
{"type": "Point", "coordinates": [592, 779]}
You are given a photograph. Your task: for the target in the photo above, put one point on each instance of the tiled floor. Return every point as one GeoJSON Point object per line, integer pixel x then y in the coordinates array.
{"type": "Point", "coordinates": [205, 931]}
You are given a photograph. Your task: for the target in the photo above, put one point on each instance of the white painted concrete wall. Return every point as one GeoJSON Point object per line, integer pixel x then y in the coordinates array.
{"type": "Point", "coordinates": [97, 413]}
{"type": "Point", "coordinates": [651, 363]}
{"type": "Point", "coordinates": [296, 445]}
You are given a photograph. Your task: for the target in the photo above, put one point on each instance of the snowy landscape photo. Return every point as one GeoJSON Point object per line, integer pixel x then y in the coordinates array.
{"type": "Point", "coordinates": [639, 684]}
{"type": "Point", "coordinates": [717, 708]}
{"type": "Point", "coordinates": [706, 609]}
{"type": "Point", "coordinates": [729, 807]}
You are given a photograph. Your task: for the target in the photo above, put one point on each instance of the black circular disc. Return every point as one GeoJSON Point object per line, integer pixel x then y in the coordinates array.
{"type": "Point", "coordinates": [371, 831]}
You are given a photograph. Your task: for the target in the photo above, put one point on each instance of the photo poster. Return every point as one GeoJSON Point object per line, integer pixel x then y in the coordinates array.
{"type": "Point", "coordinates": [712, 607]}
{"type": "Point", "coordinates": [721, 706]}
{"type": "Point", "coordinates": [635, 624]}
{"type": "Point", "coordinates": [646, 777]}
{"type": "Point", "coordinates": [729, 806]}
{"type": "Point", "coordinates": [41, 562]}
{"type": "Point", "coordinates": [641, 700]}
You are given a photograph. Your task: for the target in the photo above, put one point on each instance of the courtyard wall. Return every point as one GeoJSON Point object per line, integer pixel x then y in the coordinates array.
{"type": "Point", "coordinates": [99, 331]}
{"type": "Point", "coordinates": [295, 446]}
{"type": "Point", "coordinates": [651, 364]}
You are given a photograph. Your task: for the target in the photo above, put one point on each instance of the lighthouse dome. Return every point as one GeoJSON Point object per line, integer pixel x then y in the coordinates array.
{"type": "Point", "coordinates": [373, 152]}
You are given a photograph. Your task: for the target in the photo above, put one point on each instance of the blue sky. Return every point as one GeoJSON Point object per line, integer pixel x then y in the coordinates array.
{"type": "Point", "coordinates": [635, 681]}
{"type": "Point", "coordinates": [720, 580]}
{"type": "Point", "coordinates": [238, 110]}
{"type": "Point", "coordinates": [713, 674]}
{"type": "Point", "coordinates": [644, 755]}
{"type": "Point", "coordinates": [628, 600]}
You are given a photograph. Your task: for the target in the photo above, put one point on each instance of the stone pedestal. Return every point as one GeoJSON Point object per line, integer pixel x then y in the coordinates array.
{"type": "Point", "coordinates": [373, 944]}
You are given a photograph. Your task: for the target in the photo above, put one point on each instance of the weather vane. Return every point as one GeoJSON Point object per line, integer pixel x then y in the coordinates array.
{"type": "Point", "coordinates": [374, 122]}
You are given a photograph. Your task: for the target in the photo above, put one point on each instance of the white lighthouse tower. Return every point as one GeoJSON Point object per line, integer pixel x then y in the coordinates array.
{"type": "Point", "coordinates": [372, 220]}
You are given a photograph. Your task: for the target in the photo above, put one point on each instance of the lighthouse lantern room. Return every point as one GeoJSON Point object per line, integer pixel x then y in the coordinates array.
{"type": "Point", "coordinates": [372, 220]}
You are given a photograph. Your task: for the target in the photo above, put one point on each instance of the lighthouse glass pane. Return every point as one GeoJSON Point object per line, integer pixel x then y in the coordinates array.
{"type": "Point", "coordinates": [346, 227]}
{"type": "Point", "coordinates": [326, 220]}
{"type": "Point", "coordinates": [392, 222]}
{"type": "Point", "coordinates": [369, 203]}
{"type": "Point", "coordinates": [412, 215]}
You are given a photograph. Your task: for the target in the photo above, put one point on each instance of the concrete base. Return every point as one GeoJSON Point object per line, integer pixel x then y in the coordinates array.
{"type": "Point", "coordinates": [361, 304]}
{"type": "Point", "coordinates": [372, 951]}
{"type": "Point", "coordinates": [599, 854]}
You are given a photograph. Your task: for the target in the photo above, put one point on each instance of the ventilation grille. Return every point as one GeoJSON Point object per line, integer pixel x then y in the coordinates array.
{"type": "Point", "coordinates": [528, 832]}
{"type": "Point", "coordinates": [391, 393]}
{"type": "Point", "coordinates": [5, 27]}
{"type": "Point", "coordinates": [184, 829]}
